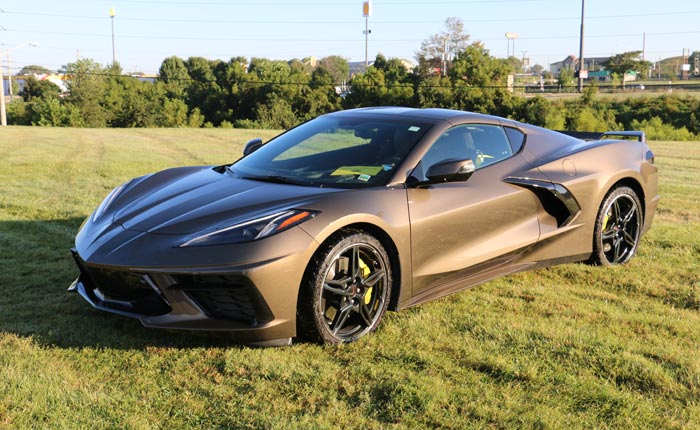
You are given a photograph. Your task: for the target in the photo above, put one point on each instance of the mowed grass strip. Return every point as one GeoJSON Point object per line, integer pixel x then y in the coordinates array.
{"type": "Point", "coordinates": [571, 347]}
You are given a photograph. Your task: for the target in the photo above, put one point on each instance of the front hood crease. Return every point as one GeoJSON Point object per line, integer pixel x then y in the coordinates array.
{"type": "Point", "coordinates": [204, 199]}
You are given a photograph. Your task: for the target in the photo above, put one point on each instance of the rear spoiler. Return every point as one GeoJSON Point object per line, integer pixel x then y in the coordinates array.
{"type": "Point", "coordinates": [587, 135]}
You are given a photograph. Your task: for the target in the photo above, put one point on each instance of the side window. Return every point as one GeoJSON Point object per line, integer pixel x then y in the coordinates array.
{"type": "Point", "coordinates": [516, 138]}
{"type": "Point", "coordinates": [454, 144]}
{"type": "Point", "coordinates": [491, 144]}
{"type": "Point", "coordinates": [482, 143]}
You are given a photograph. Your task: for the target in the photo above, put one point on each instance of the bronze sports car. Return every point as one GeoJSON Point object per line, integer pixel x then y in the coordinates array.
{"type": "Point", "coordinates": [322, 229]}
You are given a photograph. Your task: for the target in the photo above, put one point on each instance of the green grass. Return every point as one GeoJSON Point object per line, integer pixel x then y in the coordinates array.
{"type": "Point", "coordinates": [572, 347]}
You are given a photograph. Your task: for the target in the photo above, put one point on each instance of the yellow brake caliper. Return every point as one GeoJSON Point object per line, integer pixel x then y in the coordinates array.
{"type": "Point", "coordinates": [365, 273]}
{"type": "Point", "coordinates": [605, 220]}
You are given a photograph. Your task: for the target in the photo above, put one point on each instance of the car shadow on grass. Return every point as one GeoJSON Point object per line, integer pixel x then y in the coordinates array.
{"type": "Point", "coordinates": [36, 270]}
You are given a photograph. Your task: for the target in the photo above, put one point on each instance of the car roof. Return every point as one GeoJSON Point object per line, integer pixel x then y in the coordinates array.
{"type": "Point", "coordinates": [431, 114]}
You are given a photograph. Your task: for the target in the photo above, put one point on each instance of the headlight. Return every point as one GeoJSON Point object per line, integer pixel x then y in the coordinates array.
{"type": "Point", "coordinates": [107, 201]}
{"type": "Point", "coordinates": [252, 230]}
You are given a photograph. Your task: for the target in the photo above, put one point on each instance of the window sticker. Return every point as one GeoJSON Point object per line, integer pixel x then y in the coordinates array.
{"type": "Point", "coordinates": [364, 178]}
{"type": "Point", "coordinates": [413, 128]}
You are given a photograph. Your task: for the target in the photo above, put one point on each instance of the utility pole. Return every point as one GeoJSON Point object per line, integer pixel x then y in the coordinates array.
{"type": "Point", "coordinates": [444, 56]}
{"type": "Point", "coordinates": [9, 75]}
{"type": "Point", "coordinates": [580, 52]}
{"type": "Point", "coordinates": [3, 116]}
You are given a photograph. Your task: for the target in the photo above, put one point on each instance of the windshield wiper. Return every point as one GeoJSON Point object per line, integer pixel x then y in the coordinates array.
{"type": "Point", "coordinates": [276, 179]}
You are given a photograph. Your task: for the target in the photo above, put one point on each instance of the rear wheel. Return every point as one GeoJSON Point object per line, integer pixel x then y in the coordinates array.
{"type": "Point", "coordinates": [346, 290]}
{"type": "Point", "coordinates": [618, 228]}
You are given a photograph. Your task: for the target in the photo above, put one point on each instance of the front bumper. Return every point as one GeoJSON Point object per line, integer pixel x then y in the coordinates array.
{"type": "Point", "coordinates": [253, 302]}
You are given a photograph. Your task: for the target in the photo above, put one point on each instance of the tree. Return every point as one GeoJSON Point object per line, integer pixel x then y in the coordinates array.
{"type": "Point", "coordinates": [435, 92]}
{"type": "Point", "coordinates": [338, 67]}
{"type": "Point", "coordinates": [368, 89]}
{"type": "Point", "coordinates": [480, 81]}
{"type": "Point", "coordinates": [537, 69]}
{"type": "Point", "coordinates": [173, 73]}
{"type": "Point", "coordinates": [87, 82]}
{"type": "Point", "coordinates": [627, 62]}
{"type": "Point", "coordinates": [443, 46]}
{"type": "Point", "coordinates": [515, 65]}
{"type": "Point", "coordinates": [34, 88]}
{"type": "Point", "coordinates": [566, 79]}
{"type": "Point", "coordinates": [33, 70]}
{"type": "Point", "coordinates": [397, 80]}
{"type": "Point", "coordinates": [203, 91]}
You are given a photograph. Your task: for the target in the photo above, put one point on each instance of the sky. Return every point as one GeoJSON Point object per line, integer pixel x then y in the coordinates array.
{"type": "Point", "coordinates": [148, 31]}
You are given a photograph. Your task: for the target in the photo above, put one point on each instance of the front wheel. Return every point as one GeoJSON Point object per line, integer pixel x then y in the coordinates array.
{"type": "Point", "coordinates": [618, 228]}
{"type": "Point", "coordinates": [346, 289]}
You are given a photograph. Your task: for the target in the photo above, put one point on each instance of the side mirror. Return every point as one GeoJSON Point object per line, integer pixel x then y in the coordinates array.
{"type": "Point", "coordinates": [451, 170]}
{"type": "Point", "coordinates": [252, 146]}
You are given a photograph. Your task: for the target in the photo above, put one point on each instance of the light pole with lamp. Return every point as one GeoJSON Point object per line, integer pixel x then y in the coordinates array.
{"type": "Point", "coordinates": [114, 51]}
{"type": "Point", "coordinates": [366, 13]}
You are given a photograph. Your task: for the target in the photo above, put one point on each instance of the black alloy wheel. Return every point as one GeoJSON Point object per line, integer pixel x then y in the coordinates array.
{"type": "Point", "coordinates": [347, 289]}
{"type": "Point", "coordinates": [618, 228]}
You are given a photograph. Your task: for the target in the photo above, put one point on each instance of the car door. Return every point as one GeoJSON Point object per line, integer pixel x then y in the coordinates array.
{"type": "Point", "coordinates": [459, 229]}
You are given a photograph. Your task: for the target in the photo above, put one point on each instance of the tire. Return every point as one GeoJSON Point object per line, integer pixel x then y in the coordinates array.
{"type": "Point", "coordinates": [618, 228]}
{"type": "Point", "coordinates": [346, 289]}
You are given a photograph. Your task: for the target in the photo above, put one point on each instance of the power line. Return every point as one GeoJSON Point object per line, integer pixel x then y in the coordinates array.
{"type": "Point", "coordinates": [354, 22]}
{"type": "Point", "coordinates": [287, 39]}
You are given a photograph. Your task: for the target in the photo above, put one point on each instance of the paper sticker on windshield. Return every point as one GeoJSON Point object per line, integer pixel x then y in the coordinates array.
{"type": "Point", "coordinates": [413, 128]}
{"type": "Point", "coordinates": [364, 178]}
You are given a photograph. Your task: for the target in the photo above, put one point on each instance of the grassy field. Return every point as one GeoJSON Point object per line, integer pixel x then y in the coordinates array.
{"type": "Point", "coordinates": [572, 347]}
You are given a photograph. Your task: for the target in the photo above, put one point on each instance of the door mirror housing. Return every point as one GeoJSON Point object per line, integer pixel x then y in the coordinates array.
{"type": "Point", "coordinates": [451, 170]}
{"type": "Point", "coordinates": [252, 146]}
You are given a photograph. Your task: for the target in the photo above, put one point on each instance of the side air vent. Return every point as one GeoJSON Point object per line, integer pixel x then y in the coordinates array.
{"type": "Point", "coordinates": [556, 199]}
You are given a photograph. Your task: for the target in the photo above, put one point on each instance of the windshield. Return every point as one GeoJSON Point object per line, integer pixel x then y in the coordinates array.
{"type": "Point", "coordinates": [337, 151]}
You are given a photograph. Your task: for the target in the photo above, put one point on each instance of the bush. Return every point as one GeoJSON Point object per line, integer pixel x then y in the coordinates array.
{"type": "Point", "coordinates": [17, 113]}
{"type": "Point", "coordinates": [247, 123]}
{"type": "Point", "coordinates": [51, 112]}
{"type": "Point", "coordinates": [196, 119]}
{"type": "Point", "coordinates": [588, 119]}
{"type": "Point", "coordinates": [657, 130]}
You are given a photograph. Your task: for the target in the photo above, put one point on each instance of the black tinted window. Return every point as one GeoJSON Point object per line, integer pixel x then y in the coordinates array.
{"type": "Point", "coordinates": [516, 138]}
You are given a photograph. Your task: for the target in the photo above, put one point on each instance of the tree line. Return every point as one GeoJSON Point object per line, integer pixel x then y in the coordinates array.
{"type": "Point", "coordinates": [275, 94]}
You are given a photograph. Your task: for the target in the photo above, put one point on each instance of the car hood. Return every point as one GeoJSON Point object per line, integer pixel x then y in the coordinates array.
{"type": "Point", "coordinates": [189, 200]}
